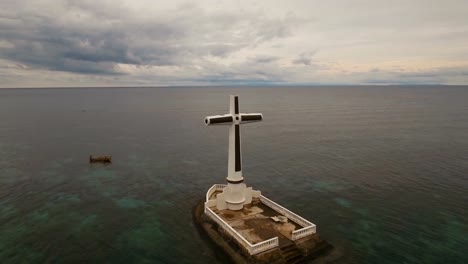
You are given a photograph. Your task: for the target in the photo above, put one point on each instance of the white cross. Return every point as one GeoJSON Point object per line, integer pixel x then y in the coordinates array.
{"type": "Point", "coordinates": [234, 119]}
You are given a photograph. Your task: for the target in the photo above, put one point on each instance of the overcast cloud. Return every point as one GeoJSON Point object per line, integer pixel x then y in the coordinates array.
{"type": "Point", "coordinates": [154, 43]}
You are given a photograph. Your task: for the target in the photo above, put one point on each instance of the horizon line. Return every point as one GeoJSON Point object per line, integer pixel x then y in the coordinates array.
{"type": "Point", "coordinates": [234, 86]}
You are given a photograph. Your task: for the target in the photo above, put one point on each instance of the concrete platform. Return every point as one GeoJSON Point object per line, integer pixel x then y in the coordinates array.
{"type": "Point", "coordinates": [311, 249]}
{"type": "Point", "coordinates": [253, 222]}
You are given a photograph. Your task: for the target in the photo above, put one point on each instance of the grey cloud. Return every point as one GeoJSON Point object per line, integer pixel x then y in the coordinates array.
{"type": "Point", "coordinates": [264, 59]}
{"type": "Point", "coordinates": [304, 58]}
{"type": "Point", "coordinates": [93, 38]}
{"type": "Point", "coordinates": [146, 42]}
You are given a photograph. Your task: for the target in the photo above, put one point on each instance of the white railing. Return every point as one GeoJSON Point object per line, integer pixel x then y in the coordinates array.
{"type": "Point", "coordinates": [307, 230]}
{"type": "Point", "coordinates": [213, 189]}
{"type": "Point", "coordinates": [253, 249]}
{"type": "Point", "coordinates": [265, 245]}
{"type": "Point", "coordinates": [308, 227]}
{"type": "Point", "coordinates": [303, 232]}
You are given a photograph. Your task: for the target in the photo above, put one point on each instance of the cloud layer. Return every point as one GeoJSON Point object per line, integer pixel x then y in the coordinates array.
{"type": "Point", "coordinates": [88, 43]}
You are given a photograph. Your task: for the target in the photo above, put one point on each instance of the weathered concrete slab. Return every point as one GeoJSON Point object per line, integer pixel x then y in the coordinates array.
{"type": "Point", "coordinates": [255, 224]}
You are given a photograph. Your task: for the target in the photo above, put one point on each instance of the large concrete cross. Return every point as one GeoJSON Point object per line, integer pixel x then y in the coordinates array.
{"type": "Point", "coordinates": [234, 119]}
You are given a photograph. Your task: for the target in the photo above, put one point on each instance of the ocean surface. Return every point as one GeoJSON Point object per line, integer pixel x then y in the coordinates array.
{"type": "Point", "coordinates": [381, 171]}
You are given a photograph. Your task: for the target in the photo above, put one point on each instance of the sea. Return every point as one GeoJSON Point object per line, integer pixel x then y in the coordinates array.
{"type": "Point", "coordinates": [381, 170]}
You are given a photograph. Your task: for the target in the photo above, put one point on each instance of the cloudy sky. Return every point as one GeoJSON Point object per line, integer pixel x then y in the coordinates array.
{"type": "Point", "coordinates": [47, 43]}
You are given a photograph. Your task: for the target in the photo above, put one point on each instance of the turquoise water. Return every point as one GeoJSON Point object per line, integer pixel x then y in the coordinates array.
{"type": "Point", "coordinates": [382, 171]}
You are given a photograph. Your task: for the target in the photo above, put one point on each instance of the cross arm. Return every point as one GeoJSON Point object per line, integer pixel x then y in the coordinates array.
{"type": "Point", "coordinates": [250, 118]}
{"type": "Point", "coordinates": [219, 120]}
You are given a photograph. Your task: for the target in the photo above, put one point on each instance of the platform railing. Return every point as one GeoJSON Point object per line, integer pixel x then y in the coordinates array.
{"type": "Point", "coordinates": [213, 189]}
{"type": "Point", "coordinates": [252, 249]}
{"type": "Point", "coordinates": [303, 232]}
{"type": "Point", "coordinates": [308, 227]}
{"type": "Point", "coordinates": [265, 245]}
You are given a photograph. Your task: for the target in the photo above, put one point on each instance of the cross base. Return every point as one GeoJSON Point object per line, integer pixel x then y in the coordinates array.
{"type": "Point", "coordinates": [235, 196]}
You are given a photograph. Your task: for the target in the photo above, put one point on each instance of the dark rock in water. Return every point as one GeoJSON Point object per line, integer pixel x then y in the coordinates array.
{"type": "Point", "coordinates": [101, 159]}
{"type": "Point", "coordinates": [308, 249]}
